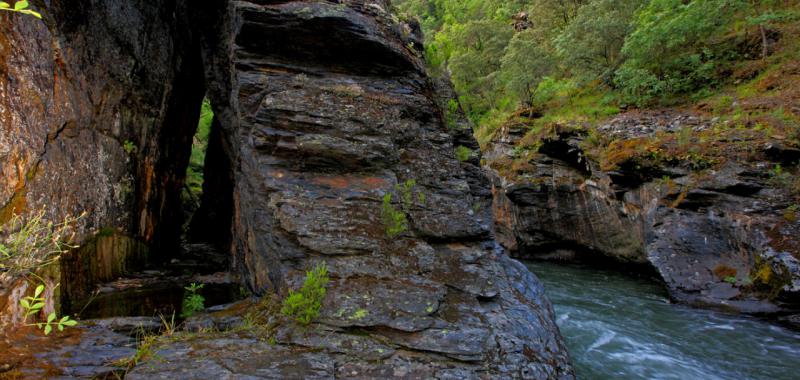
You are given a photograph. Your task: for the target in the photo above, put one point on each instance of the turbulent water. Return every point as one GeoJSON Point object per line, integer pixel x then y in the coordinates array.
{"type": "Point", "coordinates": [617, 327]}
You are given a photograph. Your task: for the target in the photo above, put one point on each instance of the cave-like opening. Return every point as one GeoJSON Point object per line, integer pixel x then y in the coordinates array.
{"type": "Point", "coordinates": [193, 236]}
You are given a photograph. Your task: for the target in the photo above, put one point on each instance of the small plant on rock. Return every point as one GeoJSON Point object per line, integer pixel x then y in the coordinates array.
{"type": "Point", "coordinates": [129, 147]}
{"type": "Point", "coordinates": [394, 219]}
{"type": "Point", "coordinates": [304, 305]}
{"type": "Point", "coordinates": [33, 305]}
{"type": "Point", "coordinates": [193, 302]}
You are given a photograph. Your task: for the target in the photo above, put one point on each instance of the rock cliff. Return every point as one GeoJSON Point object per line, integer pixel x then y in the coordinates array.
{"type": "Point", "coordinates": [722, 237]}
{"type": "Point", "coordinates": [98, 106]}
{"type": "Point", "coordinates": [330, 145]}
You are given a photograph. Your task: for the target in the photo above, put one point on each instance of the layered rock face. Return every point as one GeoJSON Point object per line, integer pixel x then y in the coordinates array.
{"type": "Point", "coordinates": [720, 239]}
{"type": "Point", "coordinates": [99, 103]}
{"type": "Point", "coordinates": [330, 111]}
{"type": "Point", "coordinates": [331, 147]}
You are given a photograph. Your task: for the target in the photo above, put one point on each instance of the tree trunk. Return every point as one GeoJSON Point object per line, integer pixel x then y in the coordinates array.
{"type": "Point", "coordinates": [764, 42]}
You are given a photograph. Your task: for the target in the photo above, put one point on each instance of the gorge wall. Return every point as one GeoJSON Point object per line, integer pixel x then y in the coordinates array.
{"type": "Point", "coordinates": [718, 238]}
{"type": "Point", "coordinates": [326, 125]}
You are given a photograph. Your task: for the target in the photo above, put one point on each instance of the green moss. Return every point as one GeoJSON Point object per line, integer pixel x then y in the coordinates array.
{"type": "Point", "coordinates": [463, 153]}
{"type": "Point", "coordinates": [767, 280]}
{"type": "Point", "coordinates": [358, 315]}
{"type": "Point", "coordinates": [106, 232]}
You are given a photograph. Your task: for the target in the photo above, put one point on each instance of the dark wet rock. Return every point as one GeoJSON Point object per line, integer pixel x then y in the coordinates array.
{"type": "Point", "coordinates": [782, 153]}
{"type": "Point", "coordinates": [129, 325]}
{"type": "Point", "coordinates": [97, 353]}
{"type": "Point", "coordinates": [241, 358]}
{"type": "Point", "coordinates": [336, 342]}
{"type": "Point", "coordinates": [202, 323]}
{"type": "Point", "coordinates": [720, 238]}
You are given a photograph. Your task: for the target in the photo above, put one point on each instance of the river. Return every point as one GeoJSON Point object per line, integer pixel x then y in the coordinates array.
{"type": "Point", "coordinates": [623, 327]}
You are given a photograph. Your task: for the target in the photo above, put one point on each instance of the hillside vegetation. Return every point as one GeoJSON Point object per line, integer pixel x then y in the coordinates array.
{"type": "Point", "coordinates": [548, 63]}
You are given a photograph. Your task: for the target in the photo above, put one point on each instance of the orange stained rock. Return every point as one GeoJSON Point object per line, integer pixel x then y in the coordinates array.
{"type": "Point", "coordinates": [352, 182]}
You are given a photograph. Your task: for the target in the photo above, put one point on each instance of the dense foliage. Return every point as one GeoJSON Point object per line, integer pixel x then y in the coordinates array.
{"type": "Point", "coordinates": [503, 55]}
{"type": "Point", "coordinates": [194, 172]}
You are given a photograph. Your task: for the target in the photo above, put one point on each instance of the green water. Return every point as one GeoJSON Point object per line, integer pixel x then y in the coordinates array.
{"type": "Point", "coordinates": [619, 327]}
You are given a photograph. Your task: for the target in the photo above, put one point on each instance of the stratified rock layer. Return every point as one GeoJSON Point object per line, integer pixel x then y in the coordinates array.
{"type": "Point", "coordinates": [330, 110]}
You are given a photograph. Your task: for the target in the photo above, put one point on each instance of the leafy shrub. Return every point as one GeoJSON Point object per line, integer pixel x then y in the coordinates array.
{"type": "Point", "coordinates": [194, 172]}
{"type": "Point", "coordinates": [33, 305]}
{"type": "Point", "coordinates": [395, 219]}
{"type": "Point", "coordinates": [639, 86]}
{"type": "Point", "coordinates": [193, 302]}
{"type": "Point", "coordinates": [525, 64]}
{"type": "Point", "coordinates": [304, 305]}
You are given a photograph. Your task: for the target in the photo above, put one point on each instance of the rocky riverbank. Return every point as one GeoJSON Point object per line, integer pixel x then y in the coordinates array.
{"type": "Point", "coordinates": [716, 224]}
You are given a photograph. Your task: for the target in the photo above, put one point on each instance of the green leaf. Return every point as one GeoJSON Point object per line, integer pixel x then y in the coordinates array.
{"type": "Point", "coordinates": [37, 306]}
{"type": "Point", "coordinates": [70, 322]}
{"type": "Point", "coordinates": [66, 318]}
{"type": "Point", "coordinates": [25, 303]}
{"type": "Point", "coordinates": [20, 5]}
{"type": "Point", "coordinates": [47, 329]}
{"type": "Point", "coordinates": [3, 4]}
{"type": "Point", "coordinates": [39, 290]}
{"type": "Point", "coordinates": [60, 327]}
{"type": "Point", "coordinates": [32, 13]}
{"type": "Point", "coordinates": [51, 317]}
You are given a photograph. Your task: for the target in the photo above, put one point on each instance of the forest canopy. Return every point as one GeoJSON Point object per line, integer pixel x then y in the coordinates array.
{"type": "Point", "coordinates": [507, 55]}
